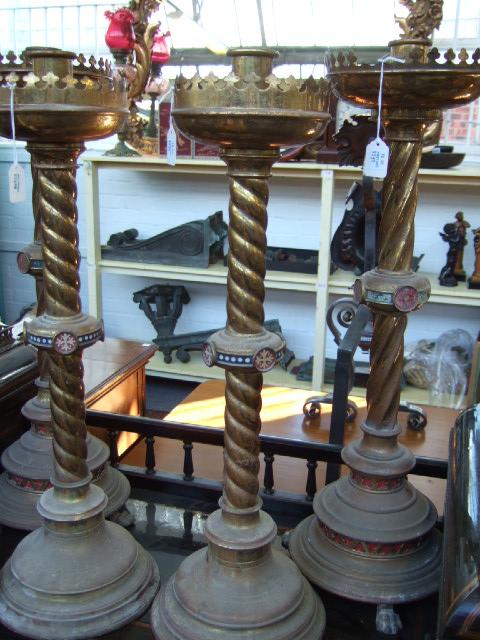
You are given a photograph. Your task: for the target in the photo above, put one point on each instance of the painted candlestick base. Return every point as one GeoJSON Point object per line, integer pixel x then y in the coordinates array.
{"type": "Point", "coordinates": [93, 596]}
{"type": "Point", "coordinates": [28, 465]}
{"type": "Point", "coordinates": [238, 586]}
{"type": "Point", "coordinates": [365, 577]}
{"type": "Point", "coordinates": [370, 538]}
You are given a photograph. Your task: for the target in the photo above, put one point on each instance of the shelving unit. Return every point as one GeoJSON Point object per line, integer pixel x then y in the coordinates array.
{"type": "Point", "coordinates": [321, 284]}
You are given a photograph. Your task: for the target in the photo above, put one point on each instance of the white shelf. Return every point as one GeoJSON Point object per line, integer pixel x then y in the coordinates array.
{"type": "Point", "coordinates": [465, 174]}
{"type": "Point", "coordinates": [214, 274]}
{"type": "Point", "coordinates": [341, 282]}
{"type": "Point", "coordinates": [197, 371]}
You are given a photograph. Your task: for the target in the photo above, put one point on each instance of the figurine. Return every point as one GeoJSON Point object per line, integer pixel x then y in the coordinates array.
{"type": "Point", "coordinates": [474, 280]}
{"type": "Point", "coordinates": [455, 242]}
{"type": "Point", "coordinates": [424, 16]}
{"type": "Point", "coordinates": [461, 226]}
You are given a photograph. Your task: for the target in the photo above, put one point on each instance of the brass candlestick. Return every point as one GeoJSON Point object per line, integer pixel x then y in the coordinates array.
{"type": "Point", "coordinates": [28, 462]}
{"type": "Point", "coordinates": [371, 537]}
{"type": "Point", "coordinates": [239, 585]}
{"type": "Point", "coordinates": [77, 576]}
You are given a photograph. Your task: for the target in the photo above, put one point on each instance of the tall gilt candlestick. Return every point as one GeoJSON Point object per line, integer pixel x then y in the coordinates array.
{"type": "Point", "coordinates": [77, 576]}
{"type": "Point", "coordinates": [28, 462]}
{"type": "Point", "coordinates": [371, 537]}
{"type": "Point", "coordinates": [239, 586]}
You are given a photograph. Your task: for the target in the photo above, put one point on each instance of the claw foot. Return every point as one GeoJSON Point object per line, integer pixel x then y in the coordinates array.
{"type": "Point", "coordinates": [123, 517]}
{"type": "Point", "coordinates": [387, 621]}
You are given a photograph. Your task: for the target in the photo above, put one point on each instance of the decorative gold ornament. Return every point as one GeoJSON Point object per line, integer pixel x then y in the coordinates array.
{"type": "Point", "coordinates": [424, 17]}
{"type": "Point", "coordinates": [240, 585]}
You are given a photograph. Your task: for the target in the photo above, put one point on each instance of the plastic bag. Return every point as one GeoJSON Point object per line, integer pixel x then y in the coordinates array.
{"type": "Point", "coordinates": [442, 366]}
{"type": "Point", "coordinates": [450, 367]}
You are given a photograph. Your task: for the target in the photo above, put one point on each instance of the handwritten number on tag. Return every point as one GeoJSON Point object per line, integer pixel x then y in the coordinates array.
{"type": "Point", "coordinates": [16, 183]}
{"type": "Point", "coordinates": [375, 164]}
{"type": "Point", "coordinates": [171, 145]}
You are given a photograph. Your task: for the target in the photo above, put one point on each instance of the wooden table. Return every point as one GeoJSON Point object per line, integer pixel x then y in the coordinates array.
{"type": "Point", "coordinates": [115, 375]}
{"type": "Point", "coordinates": [282, 416]}
{"type": "Point", "coordinates": [114, 381]}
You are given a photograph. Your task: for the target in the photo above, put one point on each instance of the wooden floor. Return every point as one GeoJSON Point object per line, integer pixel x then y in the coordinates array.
{"type": "Point", "coordinates": [282, 415]}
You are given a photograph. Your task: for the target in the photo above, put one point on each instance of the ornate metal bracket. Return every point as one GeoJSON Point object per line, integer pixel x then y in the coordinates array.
{"type": "Point", "coordinates": [163, 305]}
{"type": "Point", "coordinates": [193, 244]}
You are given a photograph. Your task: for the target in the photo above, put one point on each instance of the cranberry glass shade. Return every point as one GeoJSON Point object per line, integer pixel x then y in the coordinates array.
{"type": "Point", "coordinates": [161, 48]}
{"type": "Point", "coordinates": [120, 35]}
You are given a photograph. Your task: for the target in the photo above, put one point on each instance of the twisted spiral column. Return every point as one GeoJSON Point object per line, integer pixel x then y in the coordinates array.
{"type": "Point", "coordinates": [241, 449]}
{"type": "Point", "coordinates": [396, 239]}
{"type": "Point", "coordinates": [68, 417]}
{"type": "Point", "coordinates": [56, 192]}
{"type": "Point", "coordinates": [246, 260]}
{"type": "Point", "coordinates": [58, 214]}
{"type": "Point", "coordinates": [39, 284]}
{"type": "Point", "coordinates": [245, 315]}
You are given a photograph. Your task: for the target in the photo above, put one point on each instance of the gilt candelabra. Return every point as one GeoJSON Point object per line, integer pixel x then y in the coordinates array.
{"type": "Point", "coordinates": [239, 585]}
{"type": "Point", "coordinates": [140, 49]}
{"type": "Point", "coordinates": [57, 583]}
{"type": "Point", "coordinates": [372, 535]}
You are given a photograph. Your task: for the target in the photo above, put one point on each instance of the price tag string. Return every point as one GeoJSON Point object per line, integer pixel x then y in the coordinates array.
{"type": "Point", "coordinates": [11, 86]}
{"type": "Point", "coordinates": [386, 58]}
{"type": "Point", "coordinates": [375, 164]}
{"type": "Point", "coordinates": [16, 174]}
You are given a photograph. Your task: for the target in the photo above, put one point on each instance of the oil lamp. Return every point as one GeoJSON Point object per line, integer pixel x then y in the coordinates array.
{"type": "Point", "coordinates": [131, 37]}
{"type": "Point", "coordinates": [120, 36]}
{"type": "Point", "coordinates": [157, 85]}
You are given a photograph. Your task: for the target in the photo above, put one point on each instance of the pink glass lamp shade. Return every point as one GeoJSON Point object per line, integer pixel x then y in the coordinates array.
{"type": "Point", "coordinates": [120, 36]}
{"type": "Point", "coordinates": [160, 51]}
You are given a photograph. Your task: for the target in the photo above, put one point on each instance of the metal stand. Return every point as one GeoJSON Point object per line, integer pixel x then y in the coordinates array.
{"type": "Point", "coordinates": [28, 462]}
{"type": "Point", "coordinates": [372, 536]}
{"type": "Point", "coordinates": [57, 583]}
{"type": "Point", "coordinates": [240, 586]}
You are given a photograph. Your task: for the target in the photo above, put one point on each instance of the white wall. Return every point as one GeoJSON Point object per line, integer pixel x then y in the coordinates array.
{"type": "Point", "coordinates": [155, 202]}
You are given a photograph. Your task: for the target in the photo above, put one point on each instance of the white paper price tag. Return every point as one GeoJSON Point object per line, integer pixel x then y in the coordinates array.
{"type": "Point", "coordinates": [171, 146]}
{"type": "Point", "coordinates": [375, 164]}
{"type": "Point", "coordinates": [16, 183]}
